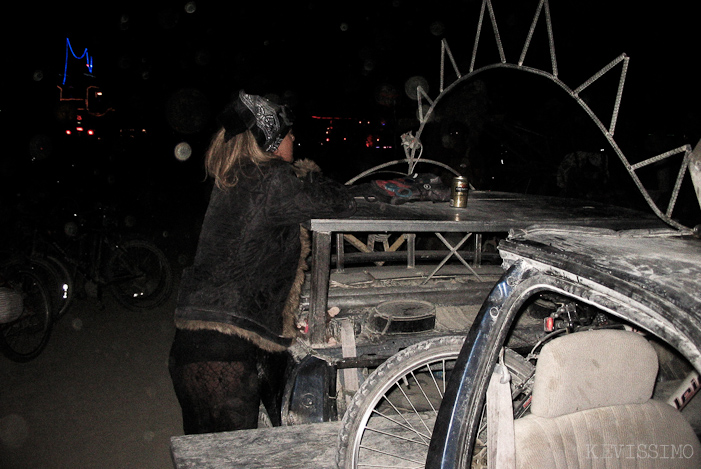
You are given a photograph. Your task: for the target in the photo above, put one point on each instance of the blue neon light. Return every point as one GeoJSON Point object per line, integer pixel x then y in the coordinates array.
{"type": "Point", "coordinates": [88, 59]}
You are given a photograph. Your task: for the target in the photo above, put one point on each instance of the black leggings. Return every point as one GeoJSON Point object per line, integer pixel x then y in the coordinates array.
{"type": "Point", "coordinates": [215, 377]}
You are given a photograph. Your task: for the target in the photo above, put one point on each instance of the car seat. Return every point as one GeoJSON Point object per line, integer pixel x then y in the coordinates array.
{"type": "Point", "coordinates": [592, 408]}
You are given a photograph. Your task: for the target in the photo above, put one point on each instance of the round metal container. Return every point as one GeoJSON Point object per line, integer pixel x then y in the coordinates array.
{"type": "Point", "coordinates": [403, 317]}
{"type": "Point", "coordinates": [458, 192]}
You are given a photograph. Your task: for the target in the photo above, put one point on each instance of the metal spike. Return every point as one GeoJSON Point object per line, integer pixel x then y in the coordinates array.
{"type": "Point", "coordinates": [551, 40]}
{"type": "Point", "coordinates": [487, 4]}
{"type": "Point", "coordinates": [419, 93]}
{"type": "Point", "coordinates": [446, 49]}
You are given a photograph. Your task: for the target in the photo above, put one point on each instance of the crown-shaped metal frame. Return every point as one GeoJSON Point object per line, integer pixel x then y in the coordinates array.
{"type": "Point", "coordinates": [690, 157]}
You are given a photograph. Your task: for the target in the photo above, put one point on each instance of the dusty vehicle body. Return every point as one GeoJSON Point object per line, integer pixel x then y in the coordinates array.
{"type": "Point", "coordinates": [649, 281]}
{"type": "Point", "coordinates": [438, 297]}
{"type": "Point", "coordinates": [583, 277]}
{"type": "Point", "coordinates": [363, 306]}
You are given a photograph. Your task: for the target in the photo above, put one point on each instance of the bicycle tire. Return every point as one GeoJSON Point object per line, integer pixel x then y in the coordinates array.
{"type": "Point", "coordinates": [374, 414]}
{"type": "Point", "coordinates": [67, 285]}
{"type": "Point", "coordinates": [139, 275]}
{"type": "Point", "coordinates": [26, 337]}
{"type": "Point", "coordinates": [59, 282]}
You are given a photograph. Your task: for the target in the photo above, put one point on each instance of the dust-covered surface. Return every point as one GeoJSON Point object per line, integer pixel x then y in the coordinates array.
{"type": "Point", "coordinates": [664, 264]}
{"type": "Point", "coordinates": [311, 446]}
{"type": "Point", "coordinates": [99, 396]}
{"type": "Point", "coordinates": [487, 211]}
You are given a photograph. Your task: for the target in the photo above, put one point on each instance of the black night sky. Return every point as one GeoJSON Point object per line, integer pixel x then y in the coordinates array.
{"type": "Point", "coordinates": [166, 68]}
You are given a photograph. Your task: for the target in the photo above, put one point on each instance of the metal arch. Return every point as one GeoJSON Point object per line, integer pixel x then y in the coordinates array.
{"type": "Point", "coordinates": [393, 162]}
{"type": "Point", "coordinates": [543, 6]}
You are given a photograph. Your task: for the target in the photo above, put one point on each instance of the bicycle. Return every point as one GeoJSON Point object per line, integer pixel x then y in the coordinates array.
{"type": "Point", "coordinates": [133, 270]}
{"type": "Point", "coordinates": [26, 319]}
{"type": "Point", "coordinates": [390, 420]}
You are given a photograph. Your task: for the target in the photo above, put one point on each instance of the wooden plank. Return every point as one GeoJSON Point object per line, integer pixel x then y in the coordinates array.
{"type": "Point", "coordinates": [321, 249]}
{"type": "Point", "coordinates": [351, 378]}
{"type": "Point", "coordinates": [295, 447]}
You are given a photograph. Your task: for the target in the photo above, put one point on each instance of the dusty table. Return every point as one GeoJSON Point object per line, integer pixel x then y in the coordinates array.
{"type": "Point", "coordinates": [486, 212]}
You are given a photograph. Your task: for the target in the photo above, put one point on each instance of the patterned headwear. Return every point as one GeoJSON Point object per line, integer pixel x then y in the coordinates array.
{"type": "Point", "coordinates": [268, 121]}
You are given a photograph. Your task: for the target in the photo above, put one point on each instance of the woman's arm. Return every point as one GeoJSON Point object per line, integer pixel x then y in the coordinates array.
{"type": "Point", "coordinates": [297, 194]}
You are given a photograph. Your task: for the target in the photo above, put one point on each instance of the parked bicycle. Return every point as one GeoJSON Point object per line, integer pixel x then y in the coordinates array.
{"type": "Point", "coordinates": [25, 313]}
{"type": "Point", "coordinates": [93, 255]}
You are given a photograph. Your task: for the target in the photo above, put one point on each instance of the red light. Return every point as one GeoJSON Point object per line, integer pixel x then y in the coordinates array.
{"type": "Point", "coordinates": [79, 129]}
{"type": "Point", "coordinates": [68, 132]}
{"type": "Point", "coordinates": [549, 324]}
{"type": "Point", "coordinates": [91, 132]}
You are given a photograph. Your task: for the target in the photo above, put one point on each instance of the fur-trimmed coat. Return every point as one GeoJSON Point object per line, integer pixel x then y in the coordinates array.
{"type": "Point", "coordinates": [249, 266]}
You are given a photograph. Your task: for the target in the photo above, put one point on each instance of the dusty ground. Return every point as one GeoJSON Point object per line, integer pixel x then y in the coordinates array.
{"type": "Point", "coordinates": [98, 397]}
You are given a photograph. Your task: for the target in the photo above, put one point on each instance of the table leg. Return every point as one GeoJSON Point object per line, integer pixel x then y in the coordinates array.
{"type": "Point", "coordinates": [319, 288]}
{"type": "Point", "coordinates": [340, 253]}
{"type": "Point", "coordinates": [410, 250]}
{"type": "Point", "coordinates": [453, 252]}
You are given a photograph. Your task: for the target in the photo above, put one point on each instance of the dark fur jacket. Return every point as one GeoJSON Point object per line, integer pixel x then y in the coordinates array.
{"type": "Point", "coordinates": [249, 266]}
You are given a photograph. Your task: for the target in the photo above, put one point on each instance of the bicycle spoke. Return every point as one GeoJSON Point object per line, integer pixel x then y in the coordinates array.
{"type": "Point", "coordinates": [394, 435]}
{"type": "Point", "coordinates": [374, 450]}
{"type": "Point", "coordinates": [398, 412]}
{"type": "Point", "coordinates": [401, 425]}
{"type": "Point", "coordinates": [421, 388]}
{"type": "Point", "coordinates": [414, 409]}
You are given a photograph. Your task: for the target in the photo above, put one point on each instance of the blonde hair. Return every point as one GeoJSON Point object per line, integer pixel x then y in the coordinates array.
{"type": "Point", "coordinates": [224, 159]}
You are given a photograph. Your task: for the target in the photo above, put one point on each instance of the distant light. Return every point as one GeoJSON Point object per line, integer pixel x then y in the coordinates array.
{"type": "Point", "coordinates": [79, 129]}
{"type": "Point", "coordinates": [68, 132]}
{"type": "Point", "coordinates": [85, 54]}
{"type": "Point", "coordinates": [183, 151]}
{"type": "Point", "coordinates": [330, 118]}
{"type": "Point", "coordinates": [91, 132]}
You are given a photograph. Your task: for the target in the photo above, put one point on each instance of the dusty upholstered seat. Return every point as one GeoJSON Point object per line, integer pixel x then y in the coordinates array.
{"type": "Point", "coordinates": [592, 408]}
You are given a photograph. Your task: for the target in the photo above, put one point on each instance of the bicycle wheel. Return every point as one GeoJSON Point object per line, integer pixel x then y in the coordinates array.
{"type": "Point", "coordinates": [58, 281]}
{"type": "Point", "coordinates": [390, 419]}
{"type": "Point", "coordinates": [26, 337]}
{"type": "Point", "coordinates": [139, 275]}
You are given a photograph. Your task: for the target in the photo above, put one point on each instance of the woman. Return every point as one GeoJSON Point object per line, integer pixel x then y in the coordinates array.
{"type": "Point", "coordinates": [236, 304]}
